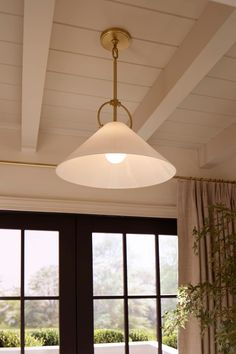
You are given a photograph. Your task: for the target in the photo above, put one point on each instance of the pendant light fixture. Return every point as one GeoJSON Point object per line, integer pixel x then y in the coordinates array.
{"type": "Point", "coordinates": [115, 156]}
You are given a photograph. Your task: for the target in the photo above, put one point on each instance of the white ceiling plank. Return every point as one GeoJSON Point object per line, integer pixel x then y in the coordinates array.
{"type": "Point", "coordinates": [189, 8]}
{"type": "Point", "coordinates": [207, 104]}
{"type": "Point", "coordinates": [92, 87]}
{"type": "Point", "coordinates": [77, 101]}
{"type": "Point", "coordinates": [218, 88]}
{"type": "Point", "coordinates": [15, 7]}
{"type": "Point", "coordinates": [232, 51]}
{"type": "Point", "coordinates": [219, 149]}
{"type": "Point", "coordinates": [142, 23]}
{"type": "Point", "coordinates": [10, 53]}
{"type": "Point", "coordinates": [83, 65]}
{"type": "Point", "coordinates": [9, 107]}
{"type": "Point", "coordinates": [226, 2]}
{"type": "Point", "coordinates": [87, 42]}
{"type": "Point", "coordinates": [225, 69]}
{"type": "Point", "coordinates": [206, 119]}
{"type": "Point", "coordinates": [9, 92]}
{"type": "Point", "coordinates": [174, 144]}
{"type": "Point", "coordinates": [10, 74]}
{"type": "Point", "coordinates": [38, 18]}
{"type": "Point", "coordinates": [202, 48]}
{"type": "Point", "coordinates": [11, 28]}
{"type": "Point", "coordinates": [179, 130]}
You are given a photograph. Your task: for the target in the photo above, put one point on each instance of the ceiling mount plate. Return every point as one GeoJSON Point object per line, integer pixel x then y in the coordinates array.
{"type": "Point", "coordinates": [120, 34]}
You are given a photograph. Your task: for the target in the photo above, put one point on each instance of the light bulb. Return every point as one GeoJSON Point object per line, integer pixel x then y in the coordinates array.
{"type": "Point", "coordinates": [115, 158]}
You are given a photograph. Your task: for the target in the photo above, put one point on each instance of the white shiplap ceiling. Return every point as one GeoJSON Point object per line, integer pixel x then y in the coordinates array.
{"type": "Point", "coordinates": [175, 52]}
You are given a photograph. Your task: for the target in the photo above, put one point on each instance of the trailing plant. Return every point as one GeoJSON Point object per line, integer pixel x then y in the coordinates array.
{"type": "Point", "coordinates": [208, 301]}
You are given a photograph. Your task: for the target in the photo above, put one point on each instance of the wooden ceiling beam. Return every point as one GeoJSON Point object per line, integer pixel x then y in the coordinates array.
{"type": "Point", "coordinates": [38, 18]}
{"type": "Point", "coordinates": [210, 38]}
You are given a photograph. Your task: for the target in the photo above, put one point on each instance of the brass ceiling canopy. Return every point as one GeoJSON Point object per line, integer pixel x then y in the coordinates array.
{"type": "Point", "coordinates": [115, 34]}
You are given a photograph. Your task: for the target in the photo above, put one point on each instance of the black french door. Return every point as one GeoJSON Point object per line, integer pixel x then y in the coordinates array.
{"type": "Point", "coordinates": [55, 276]}
{"type": "Point", "coordinates": [133, 245]}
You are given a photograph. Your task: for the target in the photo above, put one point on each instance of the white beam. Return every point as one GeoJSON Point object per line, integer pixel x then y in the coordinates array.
{"type": "Point", "coordinates": [218, 149]}
{"type": "Point", "coordinates": [211, 37]}
{"type": "Point", "coordinates": [38, 17]}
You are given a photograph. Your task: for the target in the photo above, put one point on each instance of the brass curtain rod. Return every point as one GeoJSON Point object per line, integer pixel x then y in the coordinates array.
{"type": "Point", "coordinates": [29, 164]}
{"type": "Point", "coordinates": [205, 179]}
{"type": "Point", "coordinates": [53, 166]}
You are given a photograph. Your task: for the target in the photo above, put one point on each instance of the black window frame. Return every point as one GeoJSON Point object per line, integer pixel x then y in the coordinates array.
{"type": "Point", "coordinates": [75, 264]}
{"type": "Point", "coordinates": [119, 225]}
{"type": "Point", "coordinates": [65, 224]}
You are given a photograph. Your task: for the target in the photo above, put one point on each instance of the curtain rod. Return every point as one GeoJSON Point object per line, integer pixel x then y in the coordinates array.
{"type": "Point", "coordinates": [53, 166]}
{"type": "Point", "coordinates": [204, 179]}
{"type": "Point", "coordinates": [29, 164]}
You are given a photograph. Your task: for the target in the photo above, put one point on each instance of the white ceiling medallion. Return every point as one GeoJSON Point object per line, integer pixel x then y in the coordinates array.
{"type": "Point", "coordinates": [115, 156]}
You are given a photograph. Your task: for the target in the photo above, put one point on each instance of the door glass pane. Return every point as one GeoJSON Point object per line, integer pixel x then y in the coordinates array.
{"type": "Point", "coordinates": [142, 326]}
{"type": "Point", "coordinates": [9, 326]}
{"type": "Point", "coordinates": [141, 264]}
{"type": "Point", "coordinates": [168, 249]}
{"type": "Point", "coordinates": [168, 340]}
{"type": "Point", "coordinates": [109, 326]}
{"type": "Point", "coordinates": [10, 253]}
{"type": "Point", "coordinates": [41, 263]}
{"type": "Point", "coordinates": [107, 264]}
{"type": "Point", "coordinates": [42, 324]}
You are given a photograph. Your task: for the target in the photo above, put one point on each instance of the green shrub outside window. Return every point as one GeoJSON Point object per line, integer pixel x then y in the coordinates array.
{"type": "Point", "coordinates": [50, 337]}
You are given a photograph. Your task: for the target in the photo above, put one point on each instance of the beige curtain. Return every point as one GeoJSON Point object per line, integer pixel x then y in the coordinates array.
{"type": "Point", "coordinates": [194, 197]}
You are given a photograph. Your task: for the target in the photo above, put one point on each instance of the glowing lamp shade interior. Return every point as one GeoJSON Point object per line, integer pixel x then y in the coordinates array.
{"type": "Point", "coordinates": [115, 157]}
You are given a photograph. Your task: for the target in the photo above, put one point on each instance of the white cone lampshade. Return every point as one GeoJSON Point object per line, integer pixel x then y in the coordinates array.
{"type": "Point", "coordinates": [115, 157]}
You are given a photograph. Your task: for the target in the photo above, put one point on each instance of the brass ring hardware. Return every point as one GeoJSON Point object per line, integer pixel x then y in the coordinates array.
{"type": "Point", "coordinates": [99, 111]}
{"type": "Point", "coordinates": [116, 103]}
{"type": "Point", "coordinates": [129, 115]}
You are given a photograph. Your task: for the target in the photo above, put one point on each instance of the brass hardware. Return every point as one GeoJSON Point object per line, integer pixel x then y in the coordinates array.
{"type": "Point", "coordinates": [27, 164]}
{"type": "Point", "coordinates": [205, 179]}
{"type": "Point", "coordinates": [113, 103]}
{"type": "Point", "coordinates": [122, 36]}
{"type": "Point", "coordinates": [114, 39]}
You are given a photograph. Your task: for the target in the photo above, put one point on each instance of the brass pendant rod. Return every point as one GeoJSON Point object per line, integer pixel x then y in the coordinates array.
{"type": "Point", "coordinates": [115, 55]}
{"type": "Point", "coordinates": [115, 39]}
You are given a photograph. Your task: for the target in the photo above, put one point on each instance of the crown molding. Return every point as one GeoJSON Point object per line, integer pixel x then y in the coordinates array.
{"type": "Point", "coordinates": [86, 207]}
